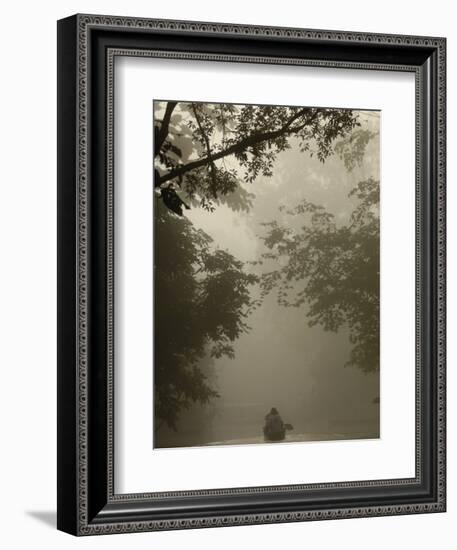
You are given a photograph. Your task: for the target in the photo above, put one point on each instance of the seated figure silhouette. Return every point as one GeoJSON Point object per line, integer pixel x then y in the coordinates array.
{"type": "Point", "coordinates": [274, 429]}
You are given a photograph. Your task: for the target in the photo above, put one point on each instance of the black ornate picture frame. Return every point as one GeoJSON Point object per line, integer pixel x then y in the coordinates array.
{"type": "Point", "coordinates": [87, 47]}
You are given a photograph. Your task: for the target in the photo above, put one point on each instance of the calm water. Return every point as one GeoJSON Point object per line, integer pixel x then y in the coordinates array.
{"type": "Point", "coordinates": [235, 425]}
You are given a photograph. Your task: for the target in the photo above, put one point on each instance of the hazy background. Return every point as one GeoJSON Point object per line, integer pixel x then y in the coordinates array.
{"type": "Point", "coordinates": [282, 362]}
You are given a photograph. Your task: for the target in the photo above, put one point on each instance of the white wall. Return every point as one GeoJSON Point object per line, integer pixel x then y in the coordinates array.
{"type": "Point", "coordinates": [27, 289]}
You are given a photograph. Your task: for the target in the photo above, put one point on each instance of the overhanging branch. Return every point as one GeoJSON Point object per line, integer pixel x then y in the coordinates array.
{"type": "Point", "coordinates": [161, 135]}
{"type": "Point", "coordinates": [249, 141]}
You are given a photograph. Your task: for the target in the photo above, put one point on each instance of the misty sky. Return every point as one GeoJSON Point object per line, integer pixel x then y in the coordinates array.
{"type": "Point", "coordinates": [282, 362]}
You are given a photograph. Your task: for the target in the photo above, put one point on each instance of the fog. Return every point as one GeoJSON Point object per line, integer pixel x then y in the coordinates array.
{"type": "Point", "coordinates": [282, 362]}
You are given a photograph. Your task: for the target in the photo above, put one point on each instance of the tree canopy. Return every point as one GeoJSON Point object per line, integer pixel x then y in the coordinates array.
{"type": "Point", "coordinates": [202, 299]}
{"type": "Point", "coordinates": [194, 142]}
{"type": "Point", "coordinates": [332, 268]}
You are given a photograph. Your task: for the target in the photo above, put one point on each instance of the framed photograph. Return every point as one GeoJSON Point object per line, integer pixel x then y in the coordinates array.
{"type": "Point", "coordinates": [251, 274]}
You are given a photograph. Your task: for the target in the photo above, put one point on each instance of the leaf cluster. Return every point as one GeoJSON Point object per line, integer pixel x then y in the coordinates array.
{"type": "Point", "coordinates": [202, 301]}
{"type": "Point", "coordinates": [332, 269]}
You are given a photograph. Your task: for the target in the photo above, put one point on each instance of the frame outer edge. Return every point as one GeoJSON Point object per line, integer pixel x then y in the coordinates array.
{"type": "Point", "coordinates": [122, 23]}
{"type": "Point", "coordinates": [441, 264]}
{"type": "Point", "coordinates": [67, 454]}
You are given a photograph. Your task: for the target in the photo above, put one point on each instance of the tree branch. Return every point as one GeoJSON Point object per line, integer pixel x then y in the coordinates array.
{"type": "Point", "coordinates": [212, 166]}
{"type": "Point", "coordinates": [309, 121]}
{"type": "Point", "coordinates": [161, 134]}
{"type": "Point", "coordinates": [253, 139]}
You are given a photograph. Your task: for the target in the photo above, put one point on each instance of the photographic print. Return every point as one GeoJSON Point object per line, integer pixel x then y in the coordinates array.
{"type": "Point", "coordinates": [266, 274]}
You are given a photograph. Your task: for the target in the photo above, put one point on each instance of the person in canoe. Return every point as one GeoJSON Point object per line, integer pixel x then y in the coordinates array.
{"type": "Point", "coordinates": [274, 429]}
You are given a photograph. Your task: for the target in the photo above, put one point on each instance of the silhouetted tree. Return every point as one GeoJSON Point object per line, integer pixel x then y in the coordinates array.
{"type": "Point", "coordinates": [332, 268]}
{"type": "Point", "coordinates": [202, 299]}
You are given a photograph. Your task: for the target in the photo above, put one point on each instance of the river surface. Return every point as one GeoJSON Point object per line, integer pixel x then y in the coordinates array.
{"type": "Point", "coordinates": [230, 429]}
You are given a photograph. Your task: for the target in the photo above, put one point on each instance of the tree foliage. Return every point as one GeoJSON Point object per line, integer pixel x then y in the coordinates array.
{"type": "Point", "coordinates": [202, 299]}
{"type": "Point", "coordinates": [195, 141]}
{"type": "Point", "coordinates": [351, 149]}
{"type": "Point", "coordinates": [332, 268]}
